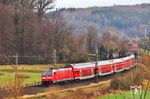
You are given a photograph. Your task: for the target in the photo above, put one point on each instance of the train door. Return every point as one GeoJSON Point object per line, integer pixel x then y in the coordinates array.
{"type": "Point", "coordinates": [77, 74]}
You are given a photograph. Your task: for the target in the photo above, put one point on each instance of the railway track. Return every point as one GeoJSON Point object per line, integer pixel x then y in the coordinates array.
{"type": "Point", "coordinates": [39, 88]}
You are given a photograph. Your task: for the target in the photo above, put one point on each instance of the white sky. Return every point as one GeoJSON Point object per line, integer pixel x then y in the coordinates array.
{"type": "Point", "coordinates": [91, 3]}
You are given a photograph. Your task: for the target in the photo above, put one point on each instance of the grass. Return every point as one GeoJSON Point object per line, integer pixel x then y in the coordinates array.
{"type": "Point", "coordinates": [33, 71]}
{"type": "Point", "coordinates": [25, 68]}
{"type": "Point", "coordinates": [33, 77]}
{"type": "Point", "coordinates": [28, 68]}
{"type": "Point", "coordinates": [126, 95]}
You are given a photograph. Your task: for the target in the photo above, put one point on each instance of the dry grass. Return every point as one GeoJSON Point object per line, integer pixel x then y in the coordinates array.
{"type": "Point", "coordinates": [72, 94]}
{"type": "Point", "coordinates": [85, 92]}
{"type": "Point", "coordinates": [135, 77]}
{"type": "Point", "coordinates": [145, 59]}
{"type": "Point", "coordinates": [145, 66]}
{"type": "Point", "coordinates": [13, 88]}
{"type": "Point", "coordinates": [1, 74]}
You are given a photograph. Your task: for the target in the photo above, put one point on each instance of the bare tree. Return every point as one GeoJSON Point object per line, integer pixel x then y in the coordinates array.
{"type": "Point", "coordinates": [40, 6]}
{"type": "Point", "coordinates": [43, 6]}
{"type": "Point", "coordinates": [91, 38]}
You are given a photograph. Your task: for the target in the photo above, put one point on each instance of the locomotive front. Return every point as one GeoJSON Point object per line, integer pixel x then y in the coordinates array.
{"type": "Point", "coordinates": [47, 77]}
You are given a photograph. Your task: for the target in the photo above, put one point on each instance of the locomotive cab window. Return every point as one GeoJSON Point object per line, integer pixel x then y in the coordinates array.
{"type": "Point", "coordinates": [47, 73]}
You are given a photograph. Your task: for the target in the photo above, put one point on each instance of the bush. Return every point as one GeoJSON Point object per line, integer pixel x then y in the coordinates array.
{"type": "Point", "coordinates": [1, 74]}
{"type": "Point", "coordinates": [145, 60]}
{"type": "Point", "coordinates": [146, 71]}
{"type": "Point", "coordinates": [13, 88]}
{"type": "Point", "coordinates": [120, 83]}
{"type": "Point", "coordinates": [136, 77]}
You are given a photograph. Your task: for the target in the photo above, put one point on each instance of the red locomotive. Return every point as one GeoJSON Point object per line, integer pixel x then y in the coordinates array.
{"type": "Point", "coordinates": [87, 70]}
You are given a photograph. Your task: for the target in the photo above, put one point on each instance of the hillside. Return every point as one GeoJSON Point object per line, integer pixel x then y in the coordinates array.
{"type": "Point", "coordinates": [131, 20]}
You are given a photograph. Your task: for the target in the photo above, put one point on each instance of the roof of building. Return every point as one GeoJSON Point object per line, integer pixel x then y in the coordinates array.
{"type": "Point", "coordinates": [135, 47]}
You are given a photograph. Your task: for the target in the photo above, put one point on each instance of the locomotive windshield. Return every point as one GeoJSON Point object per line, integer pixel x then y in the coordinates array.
{"type": "Point", "coordinates": [47, 73]}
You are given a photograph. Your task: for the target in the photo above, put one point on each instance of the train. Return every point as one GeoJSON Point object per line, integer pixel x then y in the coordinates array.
{"type": "Point", "coordinates": [88, 70]}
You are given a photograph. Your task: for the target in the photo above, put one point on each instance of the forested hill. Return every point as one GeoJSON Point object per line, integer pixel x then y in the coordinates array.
{"type": "Point", "coordinates": [131, 20]}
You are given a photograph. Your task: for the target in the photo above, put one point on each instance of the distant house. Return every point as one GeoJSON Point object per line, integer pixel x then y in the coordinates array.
{"type": "Point", "coordinates": [134, 47]}
{"type": "Point", "coordinates": [131, 47]}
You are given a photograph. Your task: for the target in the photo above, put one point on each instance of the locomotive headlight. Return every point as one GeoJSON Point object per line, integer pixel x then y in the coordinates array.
{"type": "Point", "coordinates": [43, 77]}
{"type": "Point", "coordinates": [49, 77]}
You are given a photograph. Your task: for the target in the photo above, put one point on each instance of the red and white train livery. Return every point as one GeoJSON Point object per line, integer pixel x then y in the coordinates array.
{"type": "Point", "coordinates": [87, 70]}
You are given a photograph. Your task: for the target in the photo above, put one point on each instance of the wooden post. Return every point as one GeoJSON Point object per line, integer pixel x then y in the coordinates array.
{"type": "Point", "coordinates": [54, 58]}
{"type": "Point", "coordinates": [16, 65]}
{"type": "Point", "coordinates": [96, 64]}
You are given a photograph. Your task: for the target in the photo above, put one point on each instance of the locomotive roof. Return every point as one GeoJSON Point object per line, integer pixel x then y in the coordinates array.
{"type": "Point", "coordinates": [62, 69]}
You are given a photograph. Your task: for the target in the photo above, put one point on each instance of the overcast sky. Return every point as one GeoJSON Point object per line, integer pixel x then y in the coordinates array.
{"type": "Point", "coordinates": [91, 3]}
